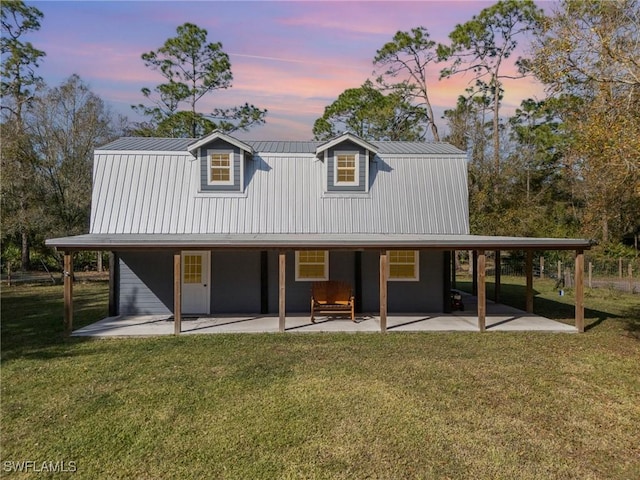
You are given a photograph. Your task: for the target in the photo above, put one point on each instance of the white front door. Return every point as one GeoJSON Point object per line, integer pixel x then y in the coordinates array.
{"type": "Point", "coordinates": [196, 284]}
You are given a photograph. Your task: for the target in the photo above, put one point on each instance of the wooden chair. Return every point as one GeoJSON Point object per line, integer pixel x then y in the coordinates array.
{"type": "Point", "coordinates": [331, 297]}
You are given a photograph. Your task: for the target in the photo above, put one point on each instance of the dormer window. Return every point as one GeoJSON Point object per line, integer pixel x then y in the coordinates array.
{"type": "Point", "coordinates": [346, 169]}
{"type": "Point", "coordinates": [221, 168]}
{"type": "Point", "coordinates": [222, 163]}
{"type": "Point", "coordinates": [346, 165]}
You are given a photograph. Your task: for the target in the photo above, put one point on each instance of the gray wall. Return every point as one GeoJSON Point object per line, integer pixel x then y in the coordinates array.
{"type": "Point", "coordinates": [235, 282]}
{"type": "Point", "coordinates": [404, 297]}
{"type": "Point", "coordinates": [146, 283]}
{"type": "Point", "coordinates": [298, 294]}
{"type": "Point", "coordinates": [223, 147]}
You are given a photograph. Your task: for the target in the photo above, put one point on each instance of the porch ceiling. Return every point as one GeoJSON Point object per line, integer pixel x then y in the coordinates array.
{"type": "Point", "coordinates": [311, 241]}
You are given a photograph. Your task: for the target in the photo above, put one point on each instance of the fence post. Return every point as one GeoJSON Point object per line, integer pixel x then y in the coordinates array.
{"type": "Point", "coordinates": [541, 267]}
{"type": "Point", "coordinates": [567, 278]}
{"type": "Point", "coordinates": [620, 267]}
{"type": "Point", "coordinates": [590, 272]}
{"type": "Point", "coordinates": [559, 270]}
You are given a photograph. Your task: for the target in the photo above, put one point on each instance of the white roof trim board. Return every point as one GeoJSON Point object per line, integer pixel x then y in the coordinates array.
{"type": "Point", "coordinates": [215, 135]}
{"type": "Point", "coordinates": [275, 241]}
{"type": "Point", "coordinates": [345, 137]}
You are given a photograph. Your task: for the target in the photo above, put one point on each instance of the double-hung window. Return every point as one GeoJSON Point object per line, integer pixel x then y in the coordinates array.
{"type": "Point", "coordinates": [346, 169]}
{"type": "Point", "coordinates": [221, 168]}
{"type": "Point", "coordinates": [312, 265]}
{"type": "Point", "coordinates": [403, 265]}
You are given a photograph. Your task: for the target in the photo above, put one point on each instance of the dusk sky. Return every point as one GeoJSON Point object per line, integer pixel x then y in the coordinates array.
{"type": "Point", "coordinates": [292, 58]}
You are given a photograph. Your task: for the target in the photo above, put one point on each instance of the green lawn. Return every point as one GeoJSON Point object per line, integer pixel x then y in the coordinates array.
{"type": "Point", "coordinates": [428, 405]}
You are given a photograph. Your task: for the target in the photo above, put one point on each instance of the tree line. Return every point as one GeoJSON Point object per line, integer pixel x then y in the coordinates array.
{"type": "Point", "coordinates": [565, 165]}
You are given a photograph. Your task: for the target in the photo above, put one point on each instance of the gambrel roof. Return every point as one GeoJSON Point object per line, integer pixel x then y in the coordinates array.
{"type": "Point", "coordinates": [146, 192]}
{"type": "Point", "coordinates": [150, 186]}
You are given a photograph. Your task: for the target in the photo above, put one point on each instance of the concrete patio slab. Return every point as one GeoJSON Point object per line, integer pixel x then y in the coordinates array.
{"type": "Point", "coordinates": [499, 318]}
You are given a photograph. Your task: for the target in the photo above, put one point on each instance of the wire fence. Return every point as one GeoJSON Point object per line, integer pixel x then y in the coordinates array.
{"type": "Point", "coordinates": [619, 274]}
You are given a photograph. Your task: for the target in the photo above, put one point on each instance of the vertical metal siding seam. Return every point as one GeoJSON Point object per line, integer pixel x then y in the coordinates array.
{"type": "Point", "coordinates": [151, 189]}
{"type": "Point", "coordinates": [254, 191]}
{"type": "Point", "coordinates": [426, 200]}
{"type": "Point", "coordinates": [101, 200]}
{"type": "Point", "coordinates": [176, 193]}
{"type": "Point", "coordinates": [461, 178]}
{"type": "Point", "coordinates": [441, 201]}
{"type": "Point", "coordinates": [447, 200]}
{"type": "Point", "coordinates": [175, 220]}
{"type": "Point", "coordinates": [417, 204]}
{"type": "Point", "coordinates": [138, 185]}
{"type": "Point", "coordinates": [143, 183]}
{"type": "Point", "coordinates": [188, 195]}
{"type": "Point", "coordinates": [162, 196]}
{"type": "Point", "coordinates": [173, 193]}
{"type": "Point", "coordinates": [97, 203]}
{"type": "Point", "coordinates": [126, 207]}
{"type": "Point", "coordinates": [109, 197]}
{"type": "Point", "coordinates": [94, 194]}
{"type": "Point", "coordinates": [125, 199]}
{"type": "Point", "coordinates": [455, 226]}
{"type": "Point", "coordinates": [416, 200]}
{"type": "Point", "coordinates": [117, 200]}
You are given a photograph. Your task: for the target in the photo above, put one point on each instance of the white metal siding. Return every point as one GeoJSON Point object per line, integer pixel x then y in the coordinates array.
{"type": "Point", "coordinates": [158, 193]}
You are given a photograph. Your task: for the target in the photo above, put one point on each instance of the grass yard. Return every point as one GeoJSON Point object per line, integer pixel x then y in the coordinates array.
{"type": "Point", "coordinates": [430, 405]}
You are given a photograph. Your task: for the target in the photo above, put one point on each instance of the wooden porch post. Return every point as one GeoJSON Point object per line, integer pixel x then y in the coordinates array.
{"type": "Point", "coordinates": [498, 275]}
{"type": "Point", "coordinates": [580, 290]}
{"type": "Point", "coordinates": [474, 269]}
{"type": "Point", "coordinates": [282, 264]}
{"type": "Point", "coordinates": [482, 290]}
{"type": "Point", "coordinates": [529, 273]}
{"type": "Point", "coordinates": [177, 292]}
{"type": "Point", "coordinates": [68, 292]}
{"type": "Point", "coordinates": [383, 291]}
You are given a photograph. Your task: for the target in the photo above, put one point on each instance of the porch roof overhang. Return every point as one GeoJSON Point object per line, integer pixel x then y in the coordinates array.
{"type": "Point", "coordinates": [301, 241]}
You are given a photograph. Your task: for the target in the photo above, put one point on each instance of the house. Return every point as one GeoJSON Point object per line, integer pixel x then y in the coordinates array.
{"type": "Point", "coordinates": [219, 225]}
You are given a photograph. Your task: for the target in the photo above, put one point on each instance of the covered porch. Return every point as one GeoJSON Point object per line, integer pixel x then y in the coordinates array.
{"type": "Point", "coordinates": [482, 319]}
{"type": "Point", "coordinates": [499, 318]}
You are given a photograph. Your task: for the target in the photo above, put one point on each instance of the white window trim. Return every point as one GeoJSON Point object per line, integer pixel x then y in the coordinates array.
{"type": "Point", "coordinates": [356, 181]}
{"type": "Point", "coordinates": [415, 278]}
{"type": "Point", "coordinates": [231, 168]}
{"type": "Point", "coordinates": [317, 279]}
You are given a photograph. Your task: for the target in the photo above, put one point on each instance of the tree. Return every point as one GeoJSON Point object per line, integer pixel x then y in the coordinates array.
{"type": "Point", "coordinates": [193, 68]}
{"type": "Point", "coordinates": [482, 46]}
{"type": "Point", "coordinates": [19, 61]}
{"type": "Point", "coordinates": [409, 54]}
{"type": "Point", "coordinates": [66, 124]}
{"type": "Point", "coordinates": [19, 58]}
{"type": "Point", "coordinates": [535, 128]}
{"type": "Point", "coordinates": [368, 113]}
{"type": "Point", "coordinates": [468, 130]}
{"type": "Point", "coordinates": [588, 56]}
